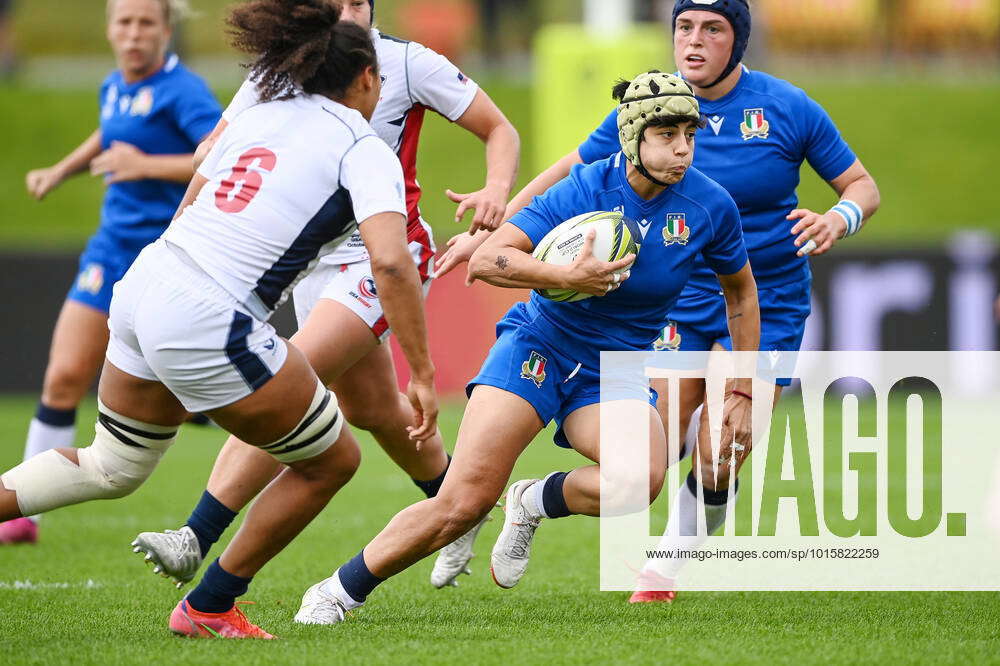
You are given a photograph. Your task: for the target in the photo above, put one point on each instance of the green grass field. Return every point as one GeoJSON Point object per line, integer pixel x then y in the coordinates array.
{"type": "Point", "coordinates": [90, 600]}
{"type": "Point", "coordinates": [929, 168]}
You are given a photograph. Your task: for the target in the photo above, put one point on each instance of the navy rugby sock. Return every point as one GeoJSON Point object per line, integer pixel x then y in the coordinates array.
{"type": "Point", "coordinates": [60, 418]}
{"type": "Point", "coordinates": [712, 497]}
{"type": "Point", "coordinates": [553, 501]}
{"type": "Point", "coordinates": [209, 520]}
{"type": "Point", "coordinates": [218, 590]}
{"type": "Point", "coordinates": [432, 487]}
{"type": "Point", "coordinates": [357, 580]}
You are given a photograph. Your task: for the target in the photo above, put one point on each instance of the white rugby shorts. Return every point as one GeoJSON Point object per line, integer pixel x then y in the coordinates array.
{"type": "Point", "coordinates": [170, 322]}
{"type": "Point", "coordinates": [353, 286]}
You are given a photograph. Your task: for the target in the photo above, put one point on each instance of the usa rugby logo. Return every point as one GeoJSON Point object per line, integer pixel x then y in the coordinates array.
{"type": "Point", "coordinates": [534, 369]}
{"type": "Point", "coordinates": [754, 124]}
{"type": "Point", "coordinates": [676, 229]}
{"type": "Point", "coordinates": [367, 288]}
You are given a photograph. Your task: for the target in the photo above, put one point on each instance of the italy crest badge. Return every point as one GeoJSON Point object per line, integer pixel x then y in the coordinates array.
{"type": "Point", "coordinates": [754, 124]}
{"type": "Point", "coordinates": [534, 369]}
{"type": "Point", "coordinates": [676, 229]}
{"type": "Point", "coordinates": [670, 339]}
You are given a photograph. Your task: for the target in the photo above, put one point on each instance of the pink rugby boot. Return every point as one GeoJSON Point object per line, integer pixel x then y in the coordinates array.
{"type": "Point", "coordinates": [19, 530]}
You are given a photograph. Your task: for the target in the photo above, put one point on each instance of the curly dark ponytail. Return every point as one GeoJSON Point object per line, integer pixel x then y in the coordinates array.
{"type": "Point", "coordinates": [300, 46]}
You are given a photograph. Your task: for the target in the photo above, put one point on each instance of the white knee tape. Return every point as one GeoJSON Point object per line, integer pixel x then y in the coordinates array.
{"type": "Point", "coordinates": [124, 453]}
{"type": "Point", "coordinates": [315, 433]}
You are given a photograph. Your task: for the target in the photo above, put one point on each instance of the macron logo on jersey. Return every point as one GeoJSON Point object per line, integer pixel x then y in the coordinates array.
{"type": "Point", "coordinates": [716, 123]}
{"type": "Point", "coordinates": [643, 223]}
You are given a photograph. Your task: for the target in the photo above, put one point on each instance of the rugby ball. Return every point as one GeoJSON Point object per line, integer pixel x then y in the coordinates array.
{"type": "Point", "coordinates": [616, 237]}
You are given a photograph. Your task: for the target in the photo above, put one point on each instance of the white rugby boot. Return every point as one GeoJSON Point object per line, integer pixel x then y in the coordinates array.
{"type": "Point", "coordinates": [510, 555]}
{"type": "Point", "coordinates": [453, 560]}
{"type": "Point", "coordinates": [326, 602]}
{"type": "Point", "coordinates": [174, 553]}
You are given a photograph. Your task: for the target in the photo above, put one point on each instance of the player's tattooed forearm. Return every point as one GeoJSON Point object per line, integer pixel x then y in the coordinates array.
{"type": "Point", "coordinates": [735, 316]}
{"type": "Point", "coordinates": [502, 262]}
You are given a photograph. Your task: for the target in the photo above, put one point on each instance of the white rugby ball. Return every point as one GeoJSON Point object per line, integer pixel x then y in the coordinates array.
{"type": "Point", "coordinates": [616, 237]}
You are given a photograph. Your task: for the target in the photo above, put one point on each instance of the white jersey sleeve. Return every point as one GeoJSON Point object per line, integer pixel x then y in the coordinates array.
{"type": "Point", "coordinates": [437, 83]}
{"type": "Point", "coordinates": [244, 98]}
{"type": "Point", "coordinates": [374, 178]}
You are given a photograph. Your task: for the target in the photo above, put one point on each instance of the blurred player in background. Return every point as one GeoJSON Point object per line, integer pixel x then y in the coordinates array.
{"type": "Point", "coordinates": [154, 112]}
{"type": "Point", "coordinates": [760, 131]}
{"type": "Point", "coordinates": [285, 184]}
{"type": "Point", "coordinates": [342, 325]}
{"type": "Point", "coordinates": [545, 363]}
{"type": "Point", "coordinates": [8, 53]}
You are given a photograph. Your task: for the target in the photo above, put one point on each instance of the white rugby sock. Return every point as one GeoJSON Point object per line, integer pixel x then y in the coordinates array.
{"type": "Point", "coordinates": [42, 437]}
{"type": "Point", "coordinates": [532, 500]}
{"type": "Point", "coordinates": [682, 529]}
{"type": "Point", "coordinates": [50, 429]}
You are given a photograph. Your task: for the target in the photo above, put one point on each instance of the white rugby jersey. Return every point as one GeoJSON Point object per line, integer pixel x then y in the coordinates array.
{"type": "Point", "coordinates": [414, 78]}
{"type": "Point", "coordinates": [286, 181]}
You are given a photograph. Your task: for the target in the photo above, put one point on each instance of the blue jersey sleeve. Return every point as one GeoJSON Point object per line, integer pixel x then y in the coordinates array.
{"type": "Point", "coordinates": [560, 202]}
{"type": "Point", "coordinates": [726, 254]}
{"type": "Point", "coordinates": [827, 152]}
{"type": "Point", "coordinates": [603, 142]}
{"type": "Point", "coordinates": [196, 110]}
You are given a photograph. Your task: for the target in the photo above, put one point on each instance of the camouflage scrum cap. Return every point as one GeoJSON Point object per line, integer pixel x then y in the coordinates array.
{"type": "Point", "coordinates": [652, 95]}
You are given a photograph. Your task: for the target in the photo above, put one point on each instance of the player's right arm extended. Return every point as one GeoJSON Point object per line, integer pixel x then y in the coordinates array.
{"type": "Point", "coordinates": [505, 260]}
{"type": "Point", "coordinates": [401, 294]}
{"type": "Point", "coordinates": [42, 181]}
{"type": "Point", "coordinates": [461, 247]}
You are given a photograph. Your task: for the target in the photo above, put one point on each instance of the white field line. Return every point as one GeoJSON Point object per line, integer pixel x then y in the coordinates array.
{"type": "Point", "coordinates": [29, 585]}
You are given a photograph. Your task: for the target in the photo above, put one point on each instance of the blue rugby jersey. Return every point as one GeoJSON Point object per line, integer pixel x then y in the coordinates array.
{"type": "Point", "coordinates": [167, 113]}
{"type": "Point", "coordinates": [693, 219]}
{"type": "Point", "coordinates": [757, 138]}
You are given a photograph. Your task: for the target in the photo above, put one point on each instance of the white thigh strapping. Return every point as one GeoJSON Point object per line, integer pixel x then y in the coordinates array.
{"type": "Point", "coordinates": [315, 433]}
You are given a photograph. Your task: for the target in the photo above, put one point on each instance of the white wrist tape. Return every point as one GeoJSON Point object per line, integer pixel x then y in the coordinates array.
{"type": "Point", "coordinates": [315, 433]}
{"type": "Point", "coordinates": [852, 214]}
{"type": "Point", "coordinates": [124, 453]}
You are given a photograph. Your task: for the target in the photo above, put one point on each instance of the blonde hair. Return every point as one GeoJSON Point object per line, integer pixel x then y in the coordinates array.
{"type": "Point", "coordinates": [174, 11]}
